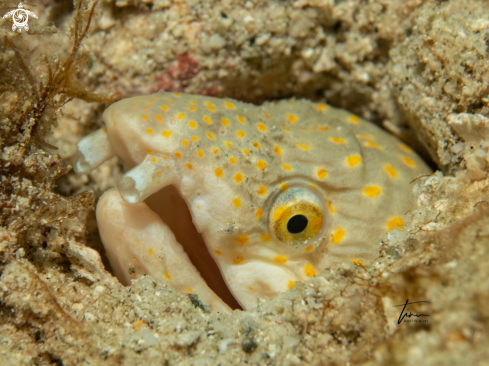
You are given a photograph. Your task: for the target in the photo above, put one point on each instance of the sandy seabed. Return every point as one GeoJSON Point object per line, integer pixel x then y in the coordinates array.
{"type": "Point", "coordinates": [418, 68]}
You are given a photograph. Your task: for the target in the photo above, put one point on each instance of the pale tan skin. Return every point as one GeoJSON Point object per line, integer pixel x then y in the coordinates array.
{"type": "Point", "coordinates": [278, 192]}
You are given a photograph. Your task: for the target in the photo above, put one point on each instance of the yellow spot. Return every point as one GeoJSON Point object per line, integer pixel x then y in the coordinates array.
{"type": "Point", "coordinates": [395, 223]}
{"type": "Point", "coordinates": [286, 167]}
{"type": "Point", "coordinates": [280, 259]}
{"type": "Point", "coordinates": [225, 122]}
{"type": "Point", "coordinates": [192, 102]}
{"type": "Point", "coordinates": [309, 270]}
{"type": "Point", "coordinates": [180, 115]}
{"type": "Point", "coordinates": [323, 128]}
{"type": "Point", "coordinates": [149, 131]}
{"type": "Point", "coordinates": [167, 133]}
{"type": "Point", "coordinates": [150, 152]}
{"type": "Point", "coordinates": [338, 236]}
{"type": "Point", "coordinates": [284, 186]}
{"type": "Point", "coordinates": [353, 119]}
{"type": "Point", "coordinates": [104, 131]}
{"type": "Point", "coordinates": [210, 136]}
{"type": "Point", "coordinates": [185, 143]}
{"type": "Point", "coordinates": [237, 202]}
{"type": "Point", "coordinates": [229, 105]}
{"type": "Point", "coordinates": [207, 120]}
{"type": "Point", "coordinates": [154, 160]}
{"type": "Point", "coordinates": [243, 239]}
{"type": "Point", "coordinates": [309, 248]}
{"type": "Point", "coordinates": [331, 208]}
{"type": "Point", "coordinates": [218, 252]}
{"type": "Point", "coordinates": [178, 155]}
{"type": "Point", "coordinates": [303, 147]}
{"type": "Point", "coordinates": [189, 166]}
{"type": "Point", "coordinates": [259, 213]}
{"type": "Point", "coordinates": [321, 173]}
{"type": "Point", "coordinates": [158, 172]}
{"type": "Point", "coordinates": [372, 191]}
{"type": "Point", "coordinates": [262, 191]}
{"type": "Point", "coordinates": [257, 145]}
{"type": "Point", "coordinates": [246, 151]}
{"type": "Point", "coordinates": [265, 237]}
{"type": "Point", "coordinates": [177, 95]}
{"type": "Point", "coordinates": [357, 262]}
{"type": "Point", "coordinates": [366, 137]}
{"type": "Point", "coordinates": [209, 104]}
{"type": "Point", "coordinates": [337, 140]}
{"type": "Point", "coordinates": [409, 162]}
{"type": "Point", "coordinates": [286, 130]}
{"type": "Point", "coordinates": [138, 324]}
{"type": "Point", "coordinates": [167, 275]}
{"type": "Point", "coordinates": [228, 144]}
{"type": "Point", "coordinates": [192, 124]}
{"type": "Point", "coordinates": [261, 165]}
{"type": "Point", "coordinates": [189, 289]}
{"type": "Point", "coordinates": [250, 288]}
{"type": "Point", "coordinates": [159, 118]}
{"type": "Point", "coordinates": [232, 160]}
{"type": "Point", "coordinates": [241, 119]}
{"type": "Point", "coordinates": [145, 109]}
{"type": "Point", "coordinates": [211, 109]}
{"type": "Point", "coordinates": [291, 284]}
{"type": "Point", "coordinates": [240, 134]}
{"type": "Point", "coordinates": [261, 127]}
{"type": "Point", "coordinates": [238, 177]}
{"type": "Point", "coordinates": [195, 138]}
{"type": "Point", "coordinates": [218, 172]}
{"type": "Point", "coordinates": [214, 149]}
{"type": "Point", "coordinates": [192, 109]}
{"type": "Point", "coordinates": [405, 148]}
{"type": "Point", "coordinates": [151, 251]}
{"type": "Point", "coordinates": [292, 118]}
{"type": "Point", "coordinates": [132, 105]}
{"type": "Point", "coordinates": [277, 150]}
{"type": "Point", "coordinates": [144, 117]}
{"type": "Point", "coordinates": [391, 171]}
{"type": "Point", "coordinates": [200, 153]}
{"type": "Point", "coordinates": [238, 259]}
{"type": "Point", "coordinates": [372, 144]}
{"type": "Point", "coordinates": [354, 160]}
{"type": "Point", "coordinates": [321, 107]}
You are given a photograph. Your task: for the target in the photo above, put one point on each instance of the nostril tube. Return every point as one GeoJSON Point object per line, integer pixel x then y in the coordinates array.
{"type": "Point", "coordinates": [93, 150]}
{"type": "Point", "coordinates": [151, 175]}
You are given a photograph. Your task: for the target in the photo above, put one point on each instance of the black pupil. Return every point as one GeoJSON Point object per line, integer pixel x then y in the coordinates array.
{"type": "Point", "coordinates": [297, 224]}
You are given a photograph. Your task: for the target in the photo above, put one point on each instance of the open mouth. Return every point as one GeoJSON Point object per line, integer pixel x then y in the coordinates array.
{"type": "Point", "coordinates": [173, 210]}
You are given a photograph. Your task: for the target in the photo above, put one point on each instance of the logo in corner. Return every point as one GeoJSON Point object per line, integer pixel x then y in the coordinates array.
{"type": "Point", "coordinates": [20, 17]}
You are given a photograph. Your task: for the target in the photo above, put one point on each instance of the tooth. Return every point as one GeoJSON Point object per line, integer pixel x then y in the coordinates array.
{"type": "Point", "coordinates": [93, 150]}
{"type": "Point", "coordinates": [148, 177]}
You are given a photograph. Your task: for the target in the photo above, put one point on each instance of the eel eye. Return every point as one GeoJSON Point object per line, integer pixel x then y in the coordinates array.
{"type": "Point", "coordinates": [296, 216]}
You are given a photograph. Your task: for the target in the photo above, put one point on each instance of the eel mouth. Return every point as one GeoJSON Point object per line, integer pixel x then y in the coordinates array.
{"type": "Point", "coordinates": [173, 210]}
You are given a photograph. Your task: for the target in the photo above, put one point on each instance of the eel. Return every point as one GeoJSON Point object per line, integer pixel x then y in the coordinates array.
{"type": "Point", "coordinates": [258, 197]}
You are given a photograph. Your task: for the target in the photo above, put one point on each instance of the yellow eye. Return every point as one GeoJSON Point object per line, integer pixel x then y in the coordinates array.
{"type": "Point", "coordinates": [296, 216]}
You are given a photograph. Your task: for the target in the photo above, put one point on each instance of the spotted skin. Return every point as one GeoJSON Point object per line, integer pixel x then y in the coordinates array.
{"type": "Point", "coordinates": [245, 171]}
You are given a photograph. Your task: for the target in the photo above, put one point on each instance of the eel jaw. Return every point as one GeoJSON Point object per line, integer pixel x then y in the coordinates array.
{"type": "Point", "coordinates": [138, 242]}
{"type": "Point", "coordinates": [154, 176]}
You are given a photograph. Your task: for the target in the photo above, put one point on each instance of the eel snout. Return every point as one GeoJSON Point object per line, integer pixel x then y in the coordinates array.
{"type": "Point", "coordinates": [136, 233]}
